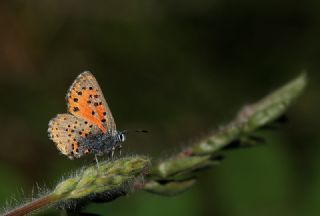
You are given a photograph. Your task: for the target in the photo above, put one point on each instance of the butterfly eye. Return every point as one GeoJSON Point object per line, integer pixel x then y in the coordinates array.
{"type": "Point", "coordinates": [121, 137]}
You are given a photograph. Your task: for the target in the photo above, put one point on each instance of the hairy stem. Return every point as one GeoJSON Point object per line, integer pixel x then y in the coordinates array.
{"type": "Point", "coordinates": [33, 205]}
{"type": "Point", "coordinates": [172, 175]}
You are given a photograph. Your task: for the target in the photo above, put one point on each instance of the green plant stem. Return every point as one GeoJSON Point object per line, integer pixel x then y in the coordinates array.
{"type": "Point", "coordinates": [110, 177]}
{"type": "Point", "coordinates": [201, 154]}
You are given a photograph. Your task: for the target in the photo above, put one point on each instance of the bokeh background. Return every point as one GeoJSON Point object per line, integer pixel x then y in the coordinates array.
{"type": "Point", "coordinates": [178, 69]}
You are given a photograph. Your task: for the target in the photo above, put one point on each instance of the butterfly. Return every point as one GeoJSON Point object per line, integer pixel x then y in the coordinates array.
{"type": "Point", "coordinates": [89, 126]}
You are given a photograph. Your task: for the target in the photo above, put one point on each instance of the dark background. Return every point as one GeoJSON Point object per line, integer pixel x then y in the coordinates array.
{"type": "Point", "coordinates": [178, 69]}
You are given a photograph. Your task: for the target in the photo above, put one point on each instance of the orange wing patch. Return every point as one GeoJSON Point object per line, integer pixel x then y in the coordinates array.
{"type": "Point", "coordinates": [81, 105]}
{"type": "Point", "coordinates": [85, 100]}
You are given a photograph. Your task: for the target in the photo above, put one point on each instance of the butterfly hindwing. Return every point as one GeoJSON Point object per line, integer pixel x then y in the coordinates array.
{"type": "Point", "coordinates": [85, 100]}
{"type": "Point", "coordinates": [68, 133]}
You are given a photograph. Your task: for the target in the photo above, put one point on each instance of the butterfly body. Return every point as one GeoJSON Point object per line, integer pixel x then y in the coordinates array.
{"type": "Point", "coordinates": [89, 126]}
{"type": "Point", "coordinates": [101, 143]}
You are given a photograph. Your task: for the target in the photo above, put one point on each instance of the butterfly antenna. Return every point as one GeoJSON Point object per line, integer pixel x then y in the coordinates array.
{"type": "Point", "coordinates": [137, 131]}
{"type": "Point", "coordinates": [141, 131]}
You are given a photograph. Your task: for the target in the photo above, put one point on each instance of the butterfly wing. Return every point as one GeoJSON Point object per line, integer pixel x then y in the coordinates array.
{"type": "Point", "coordinates": [68, 133]}
{"type": "Point", "coordinates": [85, 100]}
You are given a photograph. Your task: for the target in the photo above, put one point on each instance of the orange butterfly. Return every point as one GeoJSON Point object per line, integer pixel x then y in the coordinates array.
{"type": "Point", "coordinates": [90, 128]}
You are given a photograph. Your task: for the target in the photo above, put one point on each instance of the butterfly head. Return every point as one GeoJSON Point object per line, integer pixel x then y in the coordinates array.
{"type": "Point", "coordinates": [121, 137]}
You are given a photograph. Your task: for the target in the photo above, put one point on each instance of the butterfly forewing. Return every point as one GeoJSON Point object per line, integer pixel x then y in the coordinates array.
{"type": "Point", "coordinates": [68, 133]}
{"type": "Point", "coordinates": [85, 100]}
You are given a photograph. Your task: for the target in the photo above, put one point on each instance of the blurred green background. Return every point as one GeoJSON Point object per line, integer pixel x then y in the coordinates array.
{"type": "Point", "coordinates": [178, 69]}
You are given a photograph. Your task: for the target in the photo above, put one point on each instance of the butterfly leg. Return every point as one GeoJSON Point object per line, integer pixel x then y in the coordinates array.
{"type": "Point", "coordinates": [120, 148]}
{"type": "Point", "coordinates": [112, 152]}
{"type": "Point", "coordinates": [96, 158]}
